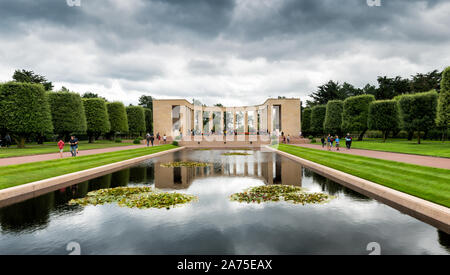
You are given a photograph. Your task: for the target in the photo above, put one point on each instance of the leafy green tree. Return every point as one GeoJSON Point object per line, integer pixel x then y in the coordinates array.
{"type": "Point", "coordinates": [148, 120]}
{"type": "Point", "coordinates": [93, 95]}
{"type": "Point", "coordinates": [306, 121]}
{"type": "Point", "coordinates": [117, 117]}
{"type": "Point", "coordinates": [31, 77]}
{"type": "Point", "coordinates": [67, 113]}
{"type": "Point", "coordinates": [136, 120]}
{"type": "Point", "coordinates": [355, 112]}
{"type": "Point", "coordinates": [333, 117]}
{"type": "Point", "coordinates": [388, 88]}
{"type": "Point", "coordinates": [24, 110]}
{"type": "Point", "coordinates": [418, 111]}
{"type": "Point", "coordinates": [329, 91]}
{"type": "Point", "coordinates": [383, 116]}
{"type": "Point", "coordinates": [317, 118]}
{"type": "Point", "coordinates": [96, 117]}
{"type": "Point", "coordinates": [146, 101]}
{"type": "Point", "coordinates": [425, 82]}
{"type": "Point", "coordinates": [443, 109]}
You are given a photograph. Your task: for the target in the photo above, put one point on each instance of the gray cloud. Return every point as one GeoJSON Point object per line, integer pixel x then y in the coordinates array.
{"type": "Point", "coordinates": [235, 52]}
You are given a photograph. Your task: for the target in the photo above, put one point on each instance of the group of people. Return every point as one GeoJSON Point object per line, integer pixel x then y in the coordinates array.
{"type": "Point", "coordinates": [5, 141]}
{"type": "Point", "coordinates": [151, 138]}
{"type": "Point", "coordinates": [330, 140]}
{"type": "Point", "coordinates": [286, 138]}
{"type": "Point", "coordinates": [73, 142]}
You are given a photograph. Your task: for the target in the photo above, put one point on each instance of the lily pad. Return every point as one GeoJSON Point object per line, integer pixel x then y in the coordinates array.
{"type": "Point", "coordinates": [134, 197]}
{"type": "Point", "coordinates": [185, 164]}
{"type": "Point", "coordinates": [274, 193]}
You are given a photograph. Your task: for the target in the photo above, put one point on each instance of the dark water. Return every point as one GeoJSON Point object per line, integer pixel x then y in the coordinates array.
{"type": "Point", "coordinates": [215, 225]}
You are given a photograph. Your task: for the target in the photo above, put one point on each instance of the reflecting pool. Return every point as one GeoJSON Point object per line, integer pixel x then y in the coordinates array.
{"type": "Point", "coordinates": [214, 224]}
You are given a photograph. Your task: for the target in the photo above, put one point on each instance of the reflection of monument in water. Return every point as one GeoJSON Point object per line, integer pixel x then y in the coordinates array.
{"type": "Point", "coordinates": [273, 170]}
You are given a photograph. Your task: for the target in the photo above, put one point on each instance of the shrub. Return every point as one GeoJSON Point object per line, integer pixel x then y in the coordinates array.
{"type": "Point", "coordinates": [118, 140]}
{"type": "Point", "coordinates": [317, 118]}
{"type": "Point", "coordinates": [148, 120]}
{"type": "Point", "coordinates": [117, 117]}
{"type": "Point", "coordinates": [96, 117]}
{"type": "Point", "coordinates": [175, 143]}
{"type": "Point", "coordinates": [313, 140]}
{"type": "Point", "coordinates": [306, 121]}
{"type": "Point", "coordinates": [383, 116]}
{"type": "Point", "coordinates": [24, 110]}
{"type": "Point", "coordinates": [137, 141]}
{"type": "Point", "coordinates": [443, 109]}
{"type": "Point", "coordinates": [333, 117]}
{"type": "Point", "coordinates": [418, 111]}
{"type": "Point", "coordinates": [311, 137]}
{"type": "Point", "coordinates": [355, 113]}
{"type": "Point", "coordinates": [136, 120]}
{"type": "Point", "coordinates": [67, 113]}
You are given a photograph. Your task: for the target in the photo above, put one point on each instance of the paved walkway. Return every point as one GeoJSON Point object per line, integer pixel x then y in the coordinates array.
{"type": "Point", "coordinates": [35, 158]}
{"type": "Point", "coordinates": [408, 158]}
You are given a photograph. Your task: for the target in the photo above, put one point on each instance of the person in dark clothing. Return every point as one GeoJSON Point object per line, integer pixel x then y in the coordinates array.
{"type": "Point", "coordinates": [323, 141]}
{"type": "Point", "coordinates": [348, 141]}
{"type": "Point", "coordinates": [152, 139]}
{"type": "Point", "coordinates": [147, 137]}
{"type": "Point", "coordinates": [73, 145]}
{"type": "Point", "coordinates": [7, 140]}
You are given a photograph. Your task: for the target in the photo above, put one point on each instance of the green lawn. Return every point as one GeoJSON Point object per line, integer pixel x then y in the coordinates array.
{"type": "Point", "coordinates": [427, 148]}
{"type": "Point", "coordinates": [428, 183]}
{"type": "Point", "coordinates": [13, 175]}
{"type": "Point", "coordinates": [52, 147]}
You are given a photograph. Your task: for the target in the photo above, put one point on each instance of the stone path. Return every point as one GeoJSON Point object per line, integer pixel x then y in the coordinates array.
{"type": "Point", "coordinates": [408, 158]}
{"type": "Point", "coordinates": [35, 158]}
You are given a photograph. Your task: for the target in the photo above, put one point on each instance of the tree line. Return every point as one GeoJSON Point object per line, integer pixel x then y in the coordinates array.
{"type": "Point", "coordinates": [386, 110]}
{"type": "Point", "coordinates": [30, 110]}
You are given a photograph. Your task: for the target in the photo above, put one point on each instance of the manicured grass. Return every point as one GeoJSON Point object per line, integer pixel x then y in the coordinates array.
{"type": "Point", "coordinates": [51, 147]}
{"type": "Point", "coordinates": [432, 184]}
{"type": "Point", "coordinates": [427, 148]}
{"type": "Point", "coordinates": [14, 175]}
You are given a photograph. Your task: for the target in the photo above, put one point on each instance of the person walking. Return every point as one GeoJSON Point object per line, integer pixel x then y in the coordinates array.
{"type": "Point", "coordinates": [158, 137]}
{"type": "Point", "coordinates": [165, 138]}
{"type": "Point", "coordinates": [288, 139]}
{"type": "Point", "coordinates": [61, 147]}
{"type": "Point", "coordinates": [329, 142]}
{"type": "Point", "coordinates": [323, 141]}
{"type": "Point", "coordinates": [348, 141]}
{"type": "Point", "coordinates": [7, 140]}
{"type": "Point", "coordinates": [73, 145]}
{"type": "Point", "coordinates": [147, 137]}
{"type": "Point", "coordinates": [337, 143]}
{"type": "Point", "coordinates": [152, 139]}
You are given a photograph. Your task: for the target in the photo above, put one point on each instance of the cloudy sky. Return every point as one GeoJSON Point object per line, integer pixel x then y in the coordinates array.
{"type": "Point", "coordinates": [234, 52]}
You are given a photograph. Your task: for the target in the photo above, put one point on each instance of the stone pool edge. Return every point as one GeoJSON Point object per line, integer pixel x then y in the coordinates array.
{"type": "Point", "coordinates": [34, 189]}
{"type": "Point", "coordinates": [426, 211]}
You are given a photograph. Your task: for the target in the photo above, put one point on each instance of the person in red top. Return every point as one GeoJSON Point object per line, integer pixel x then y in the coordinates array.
{"type": "Point", "coordinates": [61, 147]}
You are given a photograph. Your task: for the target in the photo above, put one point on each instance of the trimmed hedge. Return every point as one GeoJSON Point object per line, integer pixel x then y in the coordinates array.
{"type": "Point", "coordinates": [383, 116]}
{"type": "Point", "coordinates": [96, 117]}
{"type": "Point", "coordinates": [117, 117]}
{"type": "Point", "coordinates": [136, 120]}
{"type": "Point", "coordinates": [418, 111]}
{"type": "Point", "coordinates": [355, 113]}
{"type": "Point", "coordinates": [317, 118]}
{"type": "Point", "coordinates": [333, 117]}
{"type": "Point", "coordinates": [306, 121]}
{"type": "Point", "coordinates": [148, 120]}
{"type": "Point", "coordinates": [24, 110]}
{"type": "Point", "coordinates": [443, 109]}
{"type": "Point", "coordinates": [67, 113]}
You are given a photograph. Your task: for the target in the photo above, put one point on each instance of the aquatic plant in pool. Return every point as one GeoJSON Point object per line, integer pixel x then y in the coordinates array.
{"type": "Point", "coordinates": [185, 164]}
{"type": "Point", "coordinates": [134, 197]}
{"type": "Point", "coordinates": [274, 193]}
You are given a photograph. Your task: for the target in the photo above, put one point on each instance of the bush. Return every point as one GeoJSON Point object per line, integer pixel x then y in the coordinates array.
{"type": "Point", "coordinates": [24, 110]}
{"type": "Point", "coordinates": [317, 118]}
{"type": "Point", "coordinates": [311, 137]}
{"type": "Point", "coordinates": [355, 113]}
{"type": "Point", "coordinates": [68, 114]}
{"type": "Point", "coordinates": [118, 140]}
{"type": "Point", "coordinates": [136, 120]}
{"type": "Point", "coordinates": [117, 117]}
{"type": "Point", "coordinates": [443, 109]}
{"type": "Point", "coordinates": [383, 116]}
{"type": "Point", "coordinates": [148, 120]}
{"type": "Point", "coordinates": [96, 117]}
{"type": "Point", "coordinates": [137, 141]}
{"type": "Point", "coordinates": [313, 140]}
{"type": "Point", "coordinates": [333, 117]}
{"type": "Point", "coordinates": [306, 121]}
{"type": "Point", "coordinates": [175, 143]}
{"type": "Point", "coordinates": [418, 111]}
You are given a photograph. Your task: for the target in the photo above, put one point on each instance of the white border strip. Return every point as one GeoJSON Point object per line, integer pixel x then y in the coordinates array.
{"type": "Point", "coordinates": [413, 204]}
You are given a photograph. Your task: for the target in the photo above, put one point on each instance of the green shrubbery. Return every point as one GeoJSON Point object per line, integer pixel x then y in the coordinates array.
{"type": "Point", "coordinates": [136, 120]}
{"type": "Point", "coordinates": [443, 109]}
{"type": "Point", "coordinates": [333, 117]}
{"type": "Point", "coordinates": [96, 117]}
{"type": "Point", "coordinates": [117, 117]}
{"type": "Point", "coordinates": [383, 116]}
{"type": "Point", "coordinates": [24, 110]}
{"type": "Point", "coordinates": [317, 119]}
{"type": "Point", "coordinates": [355, 113]}
{"type": "Point", "coordinates": [306, 121]}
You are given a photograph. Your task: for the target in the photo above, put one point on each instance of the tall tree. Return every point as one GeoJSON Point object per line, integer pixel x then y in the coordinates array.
{"type": "Point", "coordinates": [117, 117]}
{"type": "Point", "coordinates": [426, 82]}
{"type": "Point", "coordinates": [24, 110]}
{"type": "Point", "coordinates": [148, 120]}
{"type": "Point", "coordinates": [388, 88]}
{"type": "Point", "coordinates": [329, 91]}
{"type": "Point", "coordinates": [355, 112]}
{"type": "Point", "coordinates": [317, 118]}
{"type": "Point", "coordinates": [93, 95]}
{"type": "Point", "coordinates": [31, 77]}
{"type": "Point", "coordinates": [306, 121]}
{"type": "Point", "coordinates": [96, 117]}
{"type": "Point", "coordinates": [68, 114]}
{"type": "Point", "coordinates": [443, 110]}
{"type": "Point", "coordinates": [383, 116]}
{"type": "Point", "coordinates": [146, 101]}
{"type": "Point", "coordinates": [418, 111]}
{"type": "Point", "coordinates": [136, 120]}
{"type": "Point", "coordinates": [333, 117]}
